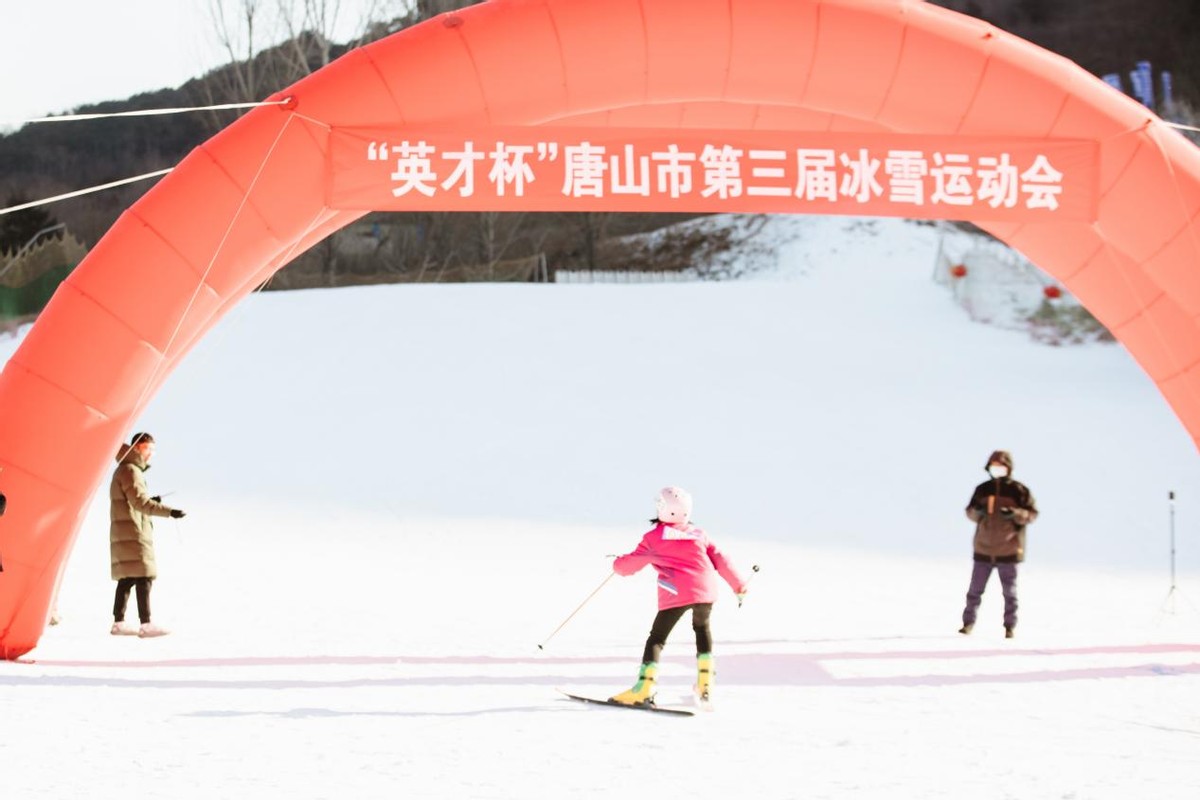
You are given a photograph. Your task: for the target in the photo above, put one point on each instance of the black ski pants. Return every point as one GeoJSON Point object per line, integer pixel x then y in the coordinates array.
{"type": "Point", "coordinates": [665, 621]}
{"type": "Point", "coordinates": [124, 585]}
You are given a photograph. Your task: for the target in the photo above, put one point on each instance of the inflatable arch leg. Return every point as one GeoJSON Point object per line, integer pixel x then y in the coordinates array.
{"type": "Point", "coordinates": [242, 205]}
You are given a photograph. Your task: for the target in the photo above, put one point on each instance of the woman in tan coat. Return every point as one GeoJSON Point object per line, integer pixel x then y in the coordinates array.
{"type": "Point", "coordinates": [131, 534]}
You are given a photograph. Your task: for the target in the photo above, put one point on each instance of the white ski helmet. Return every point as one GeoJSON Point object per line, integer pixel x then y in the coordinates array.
{"type": "Point", "coordinates": [674, 505]}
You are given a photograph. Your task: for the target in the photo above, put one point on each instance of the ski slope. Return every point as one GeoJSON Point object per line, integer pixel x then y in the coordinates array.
{"type": "Point", "coordinates": [396, 493]}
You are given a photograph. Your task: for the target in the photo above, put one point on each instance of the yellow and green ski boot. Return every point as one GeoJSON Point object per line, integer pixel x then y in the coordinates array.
{"type": "Point", "coordinates": [706, 669]}
{"type": "Point", "coordinates": [642, 693]}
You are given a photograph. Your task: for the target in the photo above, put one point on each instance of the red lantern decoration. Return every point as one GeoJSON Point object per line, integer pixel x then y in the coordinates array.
{"type": "Point", "coordinates": [958, 271]}
{"type": "Point", "coordinates": [1052, 292]}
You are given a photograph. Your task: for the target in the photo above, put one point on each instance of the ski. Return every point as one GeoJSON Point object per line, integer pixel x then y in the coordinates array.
{"type": "Point", "coordinates": [680, 712]}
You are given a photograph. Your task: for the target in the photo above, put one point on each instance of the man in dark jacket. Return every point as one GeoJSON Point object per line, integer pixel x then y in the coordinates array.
{"type": "Point", "coordinates": [131, 534]}
{"type": "Point", "coordinates": [1000, 507]}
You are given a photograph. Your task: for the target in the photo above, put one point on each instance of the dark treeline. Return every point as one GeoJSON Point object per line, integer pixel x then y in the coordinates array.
{"type": "Point", "coordinates": [1105, 36]}
{"type": "Point", "coordinates": [48, 159]}
{"type": "Point", "coordinates": [53, 158]}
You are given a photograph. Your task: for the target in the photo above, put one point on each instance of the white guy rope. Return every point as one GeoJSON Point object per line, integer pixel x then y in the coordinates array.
{"type": "Point", "coordinates": [287, 101]}
{"type": "Point", "coordinates": [79, 192]}
{"type": "Point", "coordinates": [149, 112]}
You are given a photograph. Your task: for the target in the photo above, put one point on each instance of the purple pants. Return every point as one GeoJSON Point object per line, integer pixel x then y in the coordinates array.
{"type": "Point", "coordinates": [1008, 584]}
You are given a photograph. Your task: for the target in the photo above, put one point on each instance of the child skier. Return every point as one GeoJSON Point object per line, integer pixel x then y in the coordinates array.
{"type": "Point", "coordinates": [688, 564]}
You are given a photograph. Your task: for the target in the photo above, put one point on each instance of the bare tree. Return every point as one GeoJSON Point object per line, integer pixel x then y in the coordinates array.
{"type": "Point", "coordinates": [593, 227]}
{"type": "Point", "coordinates": [431, 8]}
{"type": "Point", "coordinates": [498, 231]}
{"type": "Point", "coordinates": [273, 43]}
{"type": "Point", "coordinates": [310, 27]}
{"type": "Point", "coordinates": [235, 29]}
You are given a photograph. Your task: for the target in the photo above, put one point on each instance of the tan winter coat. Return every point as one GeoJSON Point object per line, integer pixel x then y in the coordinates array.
{"type": "Point", "coordinates": [131, 534]}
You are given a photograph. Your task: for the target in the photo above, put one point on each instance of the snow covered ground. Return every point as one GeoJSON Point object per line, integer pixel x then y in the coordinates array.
{"type": "Point", "coordinates": [395, 494]}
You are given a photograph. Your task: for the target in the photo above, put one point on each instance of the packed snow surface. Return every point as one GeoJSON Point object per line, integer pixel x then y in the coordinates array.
{"type": "Point", "coordinates": [395, 494]}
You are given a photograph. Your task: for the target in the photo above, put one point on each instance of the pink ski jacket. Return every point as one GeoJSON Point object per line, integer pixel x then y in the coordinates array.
{"type": "Point", "coordinates": [687, 564]}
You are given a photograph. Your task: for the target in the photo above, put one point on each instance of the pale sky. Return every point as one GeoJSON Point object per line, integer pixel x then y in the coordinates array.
{"type": "Point", "coordinates": [59, 54]}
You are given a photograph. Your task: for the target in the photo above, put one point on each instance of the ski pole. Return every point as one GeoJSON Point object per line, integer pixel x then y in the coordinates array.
{"type": "Point", "coordinates": [753, 569]}
{"type": "Point", "coordinates": [576, 611]}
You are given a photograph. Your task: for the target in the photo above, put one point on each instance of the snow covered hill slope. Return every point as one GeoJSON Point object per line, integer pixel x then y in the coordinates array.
{"type": "Point", "coordinates": [839, 399]}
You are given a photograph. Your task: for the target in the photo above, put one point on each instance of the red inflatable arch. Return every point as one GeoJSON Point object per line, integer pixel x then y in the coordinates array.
{"type": "Point", "coordinates": [246, 202]}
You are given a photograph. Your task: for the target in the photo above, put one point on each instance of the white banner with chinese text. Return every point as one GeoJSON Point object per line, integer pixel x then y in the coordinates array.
{"type": "Point", "coordinates": [693, 170]}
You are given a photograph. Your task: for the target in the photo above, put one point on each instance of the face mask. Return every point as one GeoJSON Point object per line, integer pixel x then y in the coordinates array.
{"type": "Point", "coordinates": [997, 471]}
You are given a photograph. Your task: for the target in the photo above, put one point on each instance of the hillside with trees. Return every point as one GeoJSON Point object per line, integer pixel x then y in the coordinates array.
{"type": "Point", "coordinates": [1106, 36]}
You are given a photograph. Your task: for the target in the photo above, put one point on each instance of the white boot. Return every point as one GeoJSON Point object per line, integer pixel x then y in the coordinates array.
{"type": "Point", "coordinates": [149, 630]}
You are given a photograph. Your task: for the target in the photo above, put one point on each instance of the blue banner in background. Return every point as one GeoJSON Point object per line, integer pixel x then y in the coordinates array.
{"type": "Point", "coordinates": [1142, 80]}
